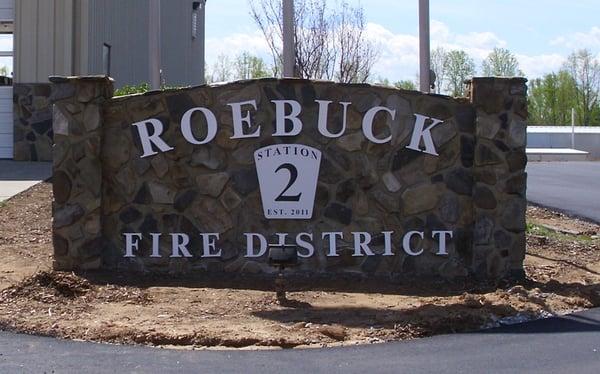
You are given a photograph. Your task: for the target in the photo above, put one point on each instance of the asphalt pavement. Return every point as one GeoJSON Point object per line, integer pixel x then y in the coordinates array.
{"type": "Point", "coordinates": [569, 344]}
{"type": "Point", "coordinates": [572, 187]}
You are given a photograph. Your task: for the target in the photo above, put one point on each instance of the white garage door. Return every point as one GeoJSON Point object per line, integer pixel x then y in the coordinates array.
{"type": "Point", "coordinates": [6, 122]}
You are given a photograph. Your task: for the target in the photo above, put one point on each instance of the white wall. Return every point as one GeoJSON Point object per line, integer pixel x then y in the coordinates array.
{"type": "Point", "coordinates": [587, 138]}
{"type": "Point", "coordinates": [6, 122]}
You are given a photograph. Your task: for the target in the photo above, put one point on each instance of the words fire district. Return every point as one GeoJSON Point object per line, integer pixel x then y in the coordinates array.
{"type": "Point", "coordinates": [288, 178]}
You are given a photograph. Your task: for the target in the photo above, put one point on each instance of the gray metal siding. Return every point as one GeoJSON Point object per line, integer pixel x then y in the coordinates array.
{"type": "Point", "coordinates": [181, 55]}
{"type": "Point", "coordinates": [124, 26]}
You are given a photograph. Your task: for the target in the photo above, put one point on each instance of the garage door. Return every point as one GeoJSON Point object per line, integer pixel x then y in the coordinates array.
{"type": "Point", "coordinates": [6, 122]}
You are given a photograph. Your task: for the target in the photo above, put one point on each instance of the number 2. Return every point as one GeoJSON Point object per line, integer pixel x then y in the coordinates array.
{"type": "Point", "coordinates": [293, 176]}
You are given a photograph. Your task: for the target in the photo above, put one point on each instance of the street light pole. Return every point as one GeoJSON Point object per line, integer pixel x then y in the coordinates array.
{"type": "Point", "coordinates": [154, 43]}
{"type": "Point", "coordinates": [288, 38]}
{"type": "Point", "coordinates": [424, 49]}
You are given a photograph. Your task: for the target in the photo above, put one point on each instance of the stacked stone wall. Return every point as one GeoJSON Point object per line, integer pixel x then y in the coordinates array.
{"type": "Point", "coordinates": [32, 121]}
{"type": "Point", "coordinates": [474, 187]}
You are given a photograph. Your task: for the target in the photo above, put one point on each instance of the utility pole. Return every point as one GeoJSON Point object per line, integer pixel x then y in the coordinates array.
{"type": "Point", "coordinates": [572, 128]}
{"type": "Point", "coordinates": [424, 49]}
{"type": "Point", "coordinates": [154, 43]}
{"type": "Point", "coordinates": [289, 56]}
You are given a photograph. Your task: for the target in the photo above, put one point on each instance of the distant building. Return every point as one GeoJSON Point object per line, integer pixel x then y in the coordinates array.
{"type": "Point", "coordinates": [87, 37]}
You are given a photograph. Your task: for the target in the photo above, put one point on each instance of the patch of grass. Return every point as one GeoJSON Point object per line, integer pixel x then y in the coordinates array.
{"type": "Point", "coordinates": [536, 229]}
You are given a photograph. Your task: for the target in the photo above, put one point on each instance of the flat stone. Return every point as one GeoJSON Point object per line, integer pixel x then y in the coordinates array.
{"type": "Point", "coordinates": [160, 165]}
{"type": "Point", "coordinates": [211, 184]}
{"type": "Point", "coordinates": [345, 190]}
{"type": "Point", "coordinates": [352, 142]}
{"type": "Point", "coordinates": [449, 208]}
{"type": "Point", "coordinates": [91, 117]}
{"type": "Point", "coordinates": [184, 200]}
{"type": "Point", "coordinates": [391, 182]}
{"type": "Point", "coordinates": [518, 134]}
{"type": "Point", "coordinates": [61, 245]}
{"type": "Point", "coordinates": [516, 160]}
{"type": "Point", "coordinates": [339, 213]}
{"type": "Point", "coordinates": [487, 126]}
{"type": "Point", "coordinates": [420, 198]}
{"type": "Point", "coordinates": [130, 215]}
{"type": "Point", "coordinates": [230, 199]}
{"type": "Point", "coordinates": [141, 165]}
{"type": "Point", "coordinates": [460, 181]}
{"type": "Point", "coordinates": [484, 155]}
{"type": "Point", "coordinates": [484, 226]}
{"type": "Point", "coordinates": [244, 181]}
{"type": "Point", "coordinates": [67, 215]}
{"type": "Point", "coordinates": [161, 194]}
{"type": "Point", "coordinates": [388, 202]}
{"type": "Point", "coordinates": [484, 198]}
{"type": "Point", "coordinates": [517, 185]}
{"type": "Point", "coordinates": [513, 214]}
{"type": "Point", "coordinates": [61, 187]}
{"type": "Point", "coordinates": [210, 157]}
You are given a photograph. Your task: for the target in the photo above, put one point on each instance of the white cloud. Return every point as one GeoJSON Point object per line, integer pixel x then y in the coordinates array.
{"type": "Point", "coordinates": [234, 44]}
{"type": "Point", "coordinates": [537, 66]}
{"type": "Point", "coordinates": [578, 40]}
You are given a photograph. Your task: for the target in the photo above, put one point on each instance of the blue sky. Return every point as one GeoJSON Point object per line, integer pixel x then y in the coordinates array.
{"type": "Point", "coordinates": [540, 32]}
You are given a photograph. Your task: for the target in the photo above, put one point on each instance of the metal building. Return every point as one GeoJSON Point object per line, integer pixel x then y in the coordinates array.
{"type": "Point", "coordinates": [88, 37]}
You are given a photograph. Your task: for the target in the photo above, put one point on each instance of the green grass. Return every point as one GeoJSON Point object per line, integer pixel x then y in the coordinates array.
{"type": "Point", "coordinates": [536, 229]}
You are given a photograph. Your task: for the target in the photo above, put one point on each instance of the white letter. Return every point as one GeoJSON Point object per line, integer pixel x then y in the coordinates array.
{"type": "Point", "coordinates": [208, 245]}
{"type": "Point", "coordinates": [147, 140]}
{"type": "Point", "coordinates": [304, 244]}
{"type": "Point", "coordinates": [250, 245]}
{"type": "Point", "coordinates": [387, 237]}
{"type": "Point", "coordinates": [178, 243]}
{"type": "Point", "coordinates": [239, 121]}
{"type": "Point", "coordinates": [406, 243]}
{"type": "Point", "coordinates": [367, 124]}
{"type": "Point", "coordinates": [211, 126]}
{"type": "Point", "coordinates": [281, 117]}
{"type": "Point", "coordinates": [361, 241]}
{"type": "Point", "coordinates": [441, 241]}
{"type": "Point", "coordinates": [155, 245]}
{"type": "Point", "coordinates": [419, 133]}
{"type": "Point", "coordinates": [130, 244]}
{"type": "Point", "coordinates": [322, 123]}
{"type": "Point", "coordinates": [332, 246]}
{"type": "Point", "coordinates": [281, 238]}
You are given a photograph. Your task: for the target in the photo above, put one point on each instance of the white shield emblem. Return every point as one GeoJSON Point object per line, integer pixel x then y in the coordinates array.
{"type": "Point", "coordinates": [287, 175]}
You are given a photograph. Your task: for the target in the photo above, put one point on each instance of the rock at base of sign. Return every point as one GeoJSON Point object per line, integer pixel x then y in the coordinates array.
{"type": "Point", "coordinates": [334, 332]}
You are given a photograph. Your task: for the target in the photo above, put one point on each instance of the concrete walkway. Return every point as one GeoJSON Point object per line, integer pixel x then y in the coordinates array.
{"type": "Point", "coordinates": [17, 176]}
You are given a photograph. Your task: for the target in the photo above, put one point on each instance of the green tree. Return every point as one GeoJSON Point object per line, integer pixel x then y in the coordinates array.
{"type": "Point", "coordinates": [458, 68]}
{"type": "Point", "coordinates": [501, 63]}
{"type": "Point", "coordinates": [248, 66]}
{"type": "Point", "coordinates": [406, 85]}
{"type": "Point", "coordinates": [439, 58]}
{"type": "Point", "coordinates": [551, 99]}
{"type": "Point", "coordinates": [585, 70]}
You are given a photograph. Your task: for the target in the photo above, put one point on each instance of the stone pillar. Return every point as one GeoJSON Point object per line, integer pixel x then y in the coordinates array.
{"type": "Point", "coordinates": [77, 170]}
{"type": "Point", "coordinates": [32, 122]}
{"type": "Point", "coordinates": [499, 176]}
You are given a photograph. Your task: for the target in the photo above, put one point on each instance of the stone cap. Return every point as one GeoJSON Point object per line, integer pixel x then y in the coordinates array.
{"type": "Point", "coordinates": [86, 78]}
